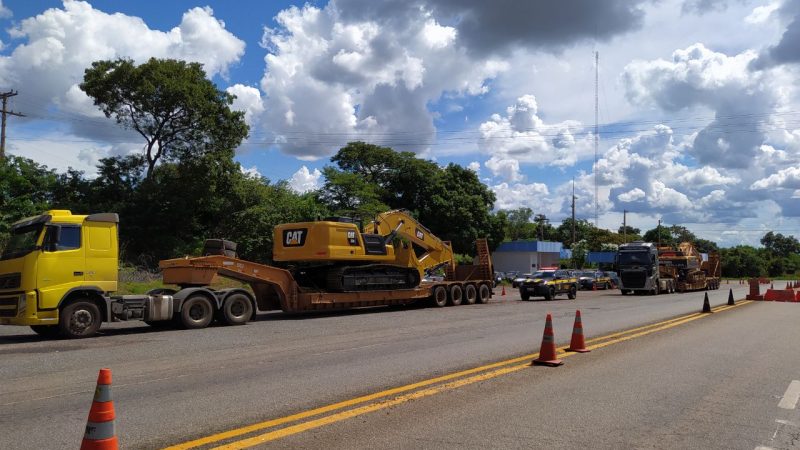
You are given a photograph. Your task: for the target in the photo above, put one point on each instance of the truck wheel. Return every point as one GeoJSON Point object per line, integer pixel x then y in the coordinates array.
{"type": "Point", "coordinates": [79, 319]}
{"type": "Point", "coordinates": [455, 295]}
{"type": "Point", "coordinates": [197, 312]}
{"type": "Point", "coordinates": [470, 294]}
{"type": "Point", "coordinates": [237, 310]}
{"type": "Point", "coordinates": [48, 331]}
{"type": "Point", "coordinates": [524, 295]}
{"type": "Point", "coordinates": [623, 292]}
{"type": "Point", "coordinates": [550, 294]}
{"type": "Point", "coordinates": [439, 296]}
{"type": "Point", "coordinates": [484, 294]}
{"type": "Point", "coordinates": [573, 293]}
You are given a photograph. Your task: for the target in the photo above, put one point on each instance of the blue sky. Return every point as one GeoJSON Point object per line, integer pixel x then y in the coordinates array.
{"type": "Point", "coordinates": [698, 111]}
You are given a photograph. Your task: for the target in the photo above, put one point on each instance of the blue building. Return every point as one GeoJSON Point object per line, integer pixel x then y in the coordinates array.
{"type": "Point", "coordinates": [526, 256]}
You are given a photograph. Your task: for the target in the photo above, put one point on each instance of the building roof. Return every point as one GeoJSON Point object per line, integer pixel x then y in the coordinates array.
{"type": "Point", "coordinates": [530, 246]}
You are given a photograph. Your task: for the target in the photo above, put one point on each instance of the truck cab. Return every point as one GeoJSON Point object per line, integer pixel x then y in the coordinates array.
{"type": "Point", "coordinates": [56, 271]}
{"type": "Point", "coordinates": [637, 264]}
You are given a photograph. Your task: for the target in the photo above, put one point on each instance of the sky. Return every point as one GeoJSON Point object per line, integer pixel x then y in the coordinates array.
{"type": "Point", "coordinates": [698, 112]}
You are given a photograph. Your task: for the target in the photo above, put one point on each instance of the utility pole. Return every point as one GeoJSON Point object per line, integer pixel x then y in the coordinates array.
{"type": "Point", "coordinates": [658, 232]}
{"type": "Point", "coordinates": [573, 211]}
{"type": "Point", "coordinates": [596, 131]}
{"type": "Point", "coordinates": [625, 226]}
{"type": "Point", "coordinates": [5, 96]}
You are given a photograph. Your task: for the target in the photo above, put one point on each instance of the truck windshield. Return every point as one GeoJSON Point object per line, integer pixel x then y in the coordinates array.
{"type": "Point", "coordinates": [634, 258]}
{"type": "Point", "coordinates": [22, 241]}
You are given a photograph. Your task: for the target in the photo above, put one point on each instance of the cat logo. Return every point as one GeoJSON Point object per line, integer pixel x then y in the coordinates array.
{"type": "Point", "coordinates": [420, 234]}
{"type": "Point", "coordinates": [294, 238]}
{"type": "Point", "coordinates": [351, 237]}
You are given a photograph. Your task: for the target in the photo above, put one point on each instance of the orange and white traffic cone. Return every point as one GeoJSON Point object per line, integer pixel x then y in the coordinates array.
{"type": "Point", "coordinates": [547, 352]}
{"type": "Point", "coordinates": [100, 433]}
{"type": "Point", "coordinates": [503, 292]}
{"type": "Point", "coordinates": [577, 344]}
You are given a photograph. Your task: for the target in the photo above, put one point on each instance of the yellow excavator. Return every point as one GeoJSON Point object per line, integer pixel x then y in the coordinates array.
{"type": "Point", "coordinates": [339, 254]}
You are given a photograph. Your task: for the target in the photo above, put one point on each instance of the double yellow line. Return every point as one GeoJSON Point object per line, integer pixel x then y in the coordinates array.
{"type": "Point", "coordinates": [402, 394]}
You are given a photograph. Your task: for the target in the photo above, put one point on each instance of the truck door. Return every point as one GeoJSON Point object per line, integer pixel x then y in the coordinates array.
{"type": "Point", "coordinates": [61, 264]}
{"type": "Point", "coordinates": [100, 244]}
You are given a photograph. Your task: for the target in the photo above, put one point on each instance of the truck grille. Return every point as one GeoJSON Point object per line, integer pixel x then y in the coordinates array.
{"type": "Point", "coordinates": [8, 306]}
{"type": "Point", "coordinates": [633, 280]}
{"type": "Point", "coordinates": [10, 281]}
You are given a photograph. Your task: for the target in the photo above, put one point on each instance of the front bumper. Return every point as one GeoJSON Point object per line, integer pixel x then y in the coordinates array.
{"type": "Point", "coordinates": [19, 308]}
{"type": "Point", "coordinates": [538, 289]}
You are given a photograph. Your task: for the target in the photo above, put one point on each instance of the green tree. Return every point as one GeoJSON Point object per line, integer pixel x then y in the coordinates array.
{"type": "Point", "coordinates": [659, 234]}
{"type": "Point", "coordinates": [26, 189]}
{"type": "Point", "coordinates": [519, 225]}
{"type": "Point", "coordinates": [779, 245]}
{"type": "Point", "coordinates": [742, 261]}
{"type": "Point", "coordinates": [170, 103]}
{"type": "Point", "coordinates": [451, 201]}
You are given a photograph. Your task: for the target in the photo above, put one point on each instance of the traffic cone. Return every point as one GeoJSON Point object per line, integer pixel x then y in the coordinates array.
{"type": "Point", "coordinates": [504, 290]}
{"type": "Point", "coordinates": [100, 433]}
{"type": "Point", "coordinates": [706, 306]}
{"type": "Point", "coordinates": [577, 344]}
{"type": "Point", "coordinates": [594, 286]}
{"type": "Point", "coordinates": [547, 352]}
{"type": "Point", "coordinates": [771, 286]}
{"type": "Point", "coordinates": [731, 301]}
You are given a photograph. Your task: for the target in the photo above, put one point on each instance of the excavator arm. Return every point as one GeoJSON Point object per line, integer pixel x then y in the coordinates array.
{"type": "Point", "coordinates": [399, 222]}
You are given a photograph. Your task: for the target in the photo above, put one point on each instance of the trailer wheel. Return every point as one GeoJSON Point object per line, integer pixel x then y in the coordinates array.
{"type": "Point", "coordinates": [470, 294]}
{"type": "Point", "coordinates": [48, 331]}
{"type": "Point", "coordinates": [484, 294]}
{"type": "Point", "coordinates": [455, 294]}
{"type": "Point", "coordinates": [197, 312]}
{"type": "Point", "coordinates": [79, 319]}
{"type": "Point", "coordinates": [439, 296]}
{"type": "Point", "coordinates": [237, 310]}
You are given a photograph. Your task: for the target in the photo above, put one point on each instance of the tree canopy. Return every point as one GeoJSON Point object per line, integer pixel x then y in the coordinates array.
{"type": "Point", "coordinates": [170, 103]}
{"type": "Point", "coordinates": [451, 200]}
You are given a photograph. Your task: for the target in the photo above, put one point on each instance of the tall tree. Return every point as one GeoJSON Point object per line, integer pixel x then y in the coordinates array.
{"type": "Point", "coordinates": [519, 224]}
{"type": "Point", "coordinates": [451, 201]}
{"type": "Point", "coordinates": [26, 189]}
{"type": "Point", "coordinates": [170, 103]}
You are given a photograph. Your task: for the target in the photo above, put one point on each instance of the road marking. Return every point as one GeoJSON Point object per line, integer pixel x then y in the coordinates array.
{"type": "Point", "coordinates": [790, 397]}
{"type": "Point", "coordinates": [385, 403]}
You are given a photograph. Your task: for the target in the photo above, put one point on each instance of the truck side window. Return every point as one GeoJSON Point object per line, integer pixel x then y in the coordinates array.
{"type": "Point", "coordinates": [68, 239]}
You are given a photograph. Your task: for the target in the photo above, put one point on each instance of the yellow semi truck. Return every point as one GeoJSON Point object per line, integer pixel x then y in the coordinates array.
{"type": "Point", "coordinates": [59, 270]}
{"type": "Point", "coordinates": [57, 273]}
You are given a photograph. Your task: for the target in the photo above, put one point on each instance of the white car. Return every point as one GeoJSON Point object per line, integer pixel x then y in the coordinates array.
{"type": "Point", "coordinates": [519, 279]}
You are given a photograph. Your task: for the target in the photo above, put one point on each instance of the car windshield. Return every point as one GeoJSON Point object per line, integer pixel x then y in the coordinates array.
{"type": "Point", "coordinates": [544, 275]}
{"type": "Point", "coordinates": [634, 258]}
{"type": "Point", "coordinates": [524, 275]}
{"type": "Point", "coordinates": [22, 241]}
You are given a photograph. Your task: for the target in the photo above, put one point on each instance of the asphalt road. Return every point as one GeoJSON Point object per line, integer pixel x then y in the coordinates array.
{"type": "Point", "coordinates": [171, 386]}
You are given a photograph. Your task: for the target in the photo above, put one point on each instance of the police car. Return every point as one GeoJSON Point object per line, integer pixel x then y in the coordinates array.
{"type": "Point", "coordinates": [548, 283]}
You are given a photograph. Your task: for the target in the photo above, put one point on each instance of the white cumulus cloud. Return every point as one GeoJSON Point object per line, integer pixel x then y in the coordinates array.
{"type": "Point", "coordinates": [305, 180]}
